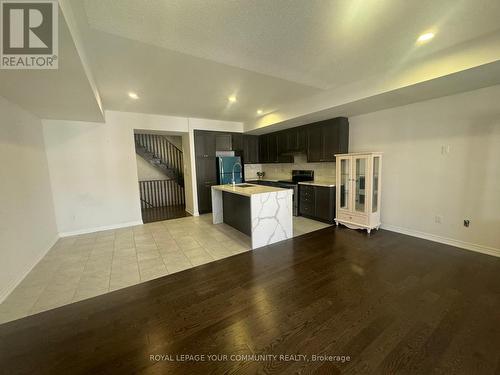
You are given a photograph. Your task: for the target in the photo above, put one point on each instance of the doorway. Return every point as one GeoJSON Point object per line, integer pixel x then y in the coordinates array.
{"type": "Point", "coordinates": [160, 165]}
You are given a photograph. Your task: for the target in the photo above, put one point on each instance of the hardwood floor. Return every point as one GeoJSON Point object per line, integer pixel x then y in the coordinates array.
{"type": "Point", "coordinates": [394, 304]}
{"type": "Point", "coordinates": [150, 215]}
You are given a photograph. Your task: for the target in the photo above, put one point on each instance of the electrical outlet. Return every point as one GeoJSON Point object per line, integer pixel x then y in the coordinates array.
{"type": "Point", "coordinates": [438, 219]}
{"type": "Point", "coordinates": [466, 223]}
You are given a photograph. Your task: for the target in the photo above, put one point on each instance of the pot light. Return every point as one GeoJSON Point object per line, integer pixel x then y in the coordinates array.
{"type": "Point", "coordinates": [425, 37]}
{"type": "Point", "coordinates": [232, 99]}
{"type": "Point", "coordinates": [260, 111]}
{"type": "Point", "coordinates": [133, 95]}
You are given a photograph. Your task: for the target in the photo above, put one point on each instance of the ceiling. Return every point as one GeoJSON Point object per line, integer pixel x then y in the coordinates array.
{"type": "Point", "coordinates": [186, 57]}
{"type": "Point", "coordinates": [466, 80]}
{"type": "Point", "coordinates": [63, 94]}
{"type": "Point", "coordinates": [317, 43]}
{"type": "Point", "coordinates": [169, 82]}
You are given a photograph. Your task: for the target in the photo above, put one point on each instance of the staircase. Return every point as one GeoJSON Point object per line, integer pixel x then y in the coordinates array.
{"type": "Point", "coordinates": [161, 154]}
{"type": "Point", "coordinates": [166, 158]}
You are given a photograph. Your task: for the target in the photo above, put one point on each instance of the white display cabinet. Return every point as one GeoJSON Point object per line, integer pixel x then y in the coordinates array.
{"type": "Point", "coordinates": [359, 177]}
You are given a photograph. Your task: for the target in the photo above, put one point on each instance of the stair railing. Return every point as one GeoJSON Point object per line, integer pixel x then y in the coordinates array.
{"type": "Point", "coordinates": [161, 193]}
{"type": "Point", "coordinates": [168, 153]}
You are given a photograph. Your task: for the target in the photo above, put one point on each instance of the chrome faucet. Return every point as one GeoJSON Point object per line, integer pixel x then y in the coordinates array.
{"type": "Point", "coordinates": [234, 165]}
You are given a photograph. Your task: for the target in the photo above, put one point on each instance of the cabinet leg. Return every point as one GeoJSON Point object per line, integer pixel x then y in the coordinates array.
{"type": "Point", "coordinates": [337, 223]}
{"type": "Point", "coordinates": [368, 230]}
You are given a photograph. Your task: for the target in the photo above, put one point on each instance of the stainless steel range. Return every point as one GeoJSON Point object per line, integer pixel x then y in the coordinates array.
{"type": "Point", "coordinates": [297, 176]}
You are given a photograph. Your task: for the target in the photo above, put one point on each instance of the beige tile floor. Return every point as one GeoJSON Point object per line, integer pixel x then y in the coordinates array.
{"type": "Point", "coordinates": [88, 265]}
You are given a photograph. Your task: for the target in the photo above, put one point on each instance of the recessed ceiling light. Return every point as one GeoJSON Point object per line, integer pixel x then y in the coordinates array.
{"type": "Point", "coordinates": [425, 37]}
{"type": "Point", "coordinates": [260, 111]}
{"type": "Point", "coordinates": [133, 95]}
{"type": "Point", "coordinates": [232, 99]}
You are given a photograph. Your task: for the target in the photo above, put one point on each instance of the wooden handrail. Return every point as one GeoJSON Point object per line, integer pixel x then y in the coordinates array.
{"type": "Point", "coordinates": [166, 139]}
{"type": "Point", "coordinates": [167, 152]}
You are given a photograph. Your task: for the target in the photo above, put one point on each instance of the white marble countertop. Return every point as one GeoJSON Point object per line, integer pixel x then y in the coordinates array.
{"type": "Point", "coordinates": [247, 191]}
{"type": "Point", "coordinates": [324, 183]}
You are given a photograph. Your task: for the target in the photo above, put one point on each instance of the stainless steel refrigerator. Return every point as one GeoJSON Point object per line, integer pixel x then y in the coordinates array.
{"type": "Point", "coordinates": [229, 168]}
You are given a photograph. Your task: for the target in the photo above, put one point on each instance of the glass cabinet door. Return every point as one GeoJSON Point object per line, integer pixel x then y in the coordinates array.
{"type": "Point", "coordinates": [360, 169]}
{"type": "Point", "coordinates": [345, 173]}
{"type": "Point", "coordinates": [375, 174]}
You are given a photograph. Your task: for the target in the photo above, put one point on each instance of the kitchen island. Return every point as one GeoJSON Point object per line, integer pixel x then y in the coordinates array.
{"type": "Point", "coordinates": [262, 212]}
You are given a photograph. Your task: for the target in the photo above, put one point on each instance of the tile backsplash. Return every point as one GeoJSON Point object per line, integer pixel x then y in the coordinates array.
{"type": "Point", "coordinates": [283, 171]}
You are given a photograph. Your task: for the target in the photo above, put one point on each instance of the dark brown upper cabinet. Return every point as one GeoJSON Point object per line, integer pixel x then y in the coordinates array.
{"type": "Point", "coordinates": [292, 141]}
{"type": "Point", "coordinates": [204, 143]}
{"type": "Point", "coordinates": [250, 149]}
{"type": "Point", "coordinates": [283, 141]}
{"type": "Point", "coordinates": [268, 149]}
{"type": "Point", "coordinates": [327, 138]}
{"type": "Point", "coordinates": [263, 149]}
{"type": "Point", "coordinates": [320, 141]}
{"type": "Point", "coordinates": [283, 150]}
{"type": "Point", "coordinates": [237, 142]}
{"type": "Point", "coordinates": [272, 147]}
{"type": "Point", "coordinates": [299, 141]}
{"type": "Point", "coordinates": [223, 142]}
{"type": "Point", "coordinates": [314, 144]}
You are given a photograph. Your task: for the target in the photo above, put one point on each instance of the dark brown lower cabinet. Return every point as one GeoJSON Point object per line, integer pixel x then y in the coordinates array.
{"type": "Point", "coordinates": [236, 212]}
{"type": "Point", "coordinates": [206, 177]}
{"type": "Point", "coordinates": [317, 202]}
{"type": "Point", "coordinates": [306, 200]}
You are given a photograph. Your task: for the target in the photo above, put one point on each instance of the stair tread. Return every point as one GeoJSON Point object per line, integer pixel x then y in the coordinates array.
{"type": "Point", "coordinates": [157, 161]}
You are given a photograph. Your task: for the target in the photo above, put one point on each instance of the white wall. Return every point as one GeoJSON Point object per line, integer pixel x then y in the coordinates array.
{"type": "Point", "coordinates": [93, 167]}
{"type": "Point", "coordinates": [27, 220]}
{"type": "Point", "coordinates": [146, 172]}
{"type": "Point", "coordinates": [420, 182]}
{"type": "Point", "coordinates": [176, 140]}
{"type": "Point", "coordinates": [189, 183]}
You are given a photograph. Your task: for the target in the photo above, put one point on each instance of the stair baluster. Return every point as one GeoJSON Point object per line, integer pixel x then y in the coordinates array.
{"type": "Point", "coordinates": [166, 157]}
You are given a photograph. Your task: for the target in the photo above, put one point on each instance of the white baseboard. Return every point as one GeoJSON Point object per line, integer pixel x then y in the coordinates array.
{"type": "Point", "coordinates": [448, 241]}
{"type": "Point", "coordinates": [16, 281]}
{"type": "Point", "coordinates": [98, 229]}
{"type": "Point", "coordinates": [191, 212]}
